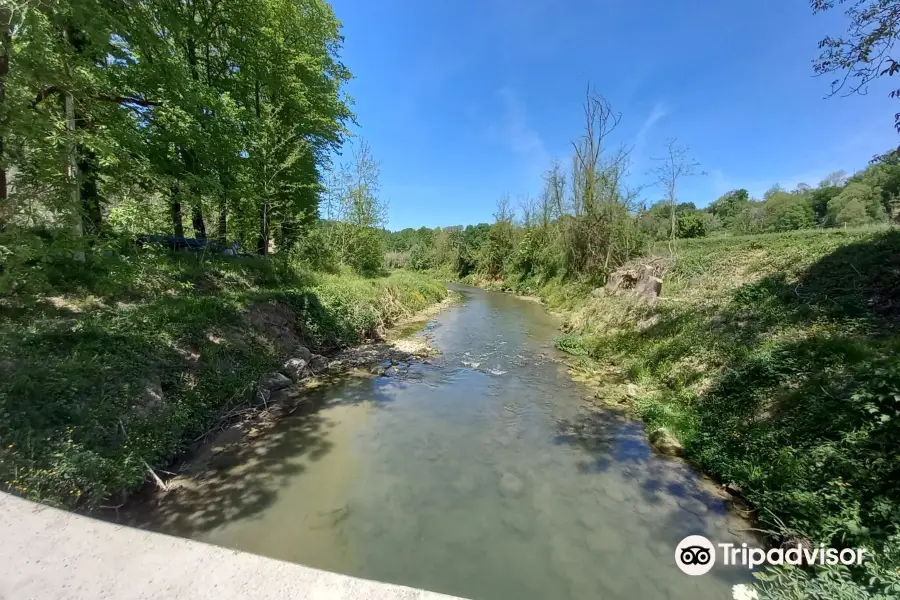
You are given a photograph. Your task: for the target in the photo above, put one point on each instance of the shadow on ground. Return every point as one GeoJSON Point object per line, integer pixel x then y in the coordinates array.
{"type": "Point", "coordinates": [800, 385]}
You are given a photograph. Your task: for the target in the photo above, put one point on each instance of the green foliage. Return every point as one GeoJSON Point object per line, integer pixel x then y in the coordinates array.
{"type": "Point", "coordinates": [880, 579]}
{"type": "Point", "coordinates": [171, 114]}
{"type": "Point", "coordinates": [786, 212]}
{"type": "Point", "coordinates": [82, 344]}
{"type": "Point", "coordinates": [356, 214]}
{"type": "Point", "coordinates": [774, 359]}
{"type": "Point", "coordinates": [819, 200]}
{"type": "Point", "coordinates": [498, 249]}
{"type": "Point", "coordinates": [871, 196]}
{"type": "Point", "coordinates": [692, 224]}
{"type": "Point", "coordinates": [858, 204]}
{"type": "Point", "coordinates": [366, 254]}
{"type": "Point", "coordinates": [730, 205]}
{"type": "Point", "coordinates": [314, 251]}
{"type": "Point", "coordinates": [571, 344]}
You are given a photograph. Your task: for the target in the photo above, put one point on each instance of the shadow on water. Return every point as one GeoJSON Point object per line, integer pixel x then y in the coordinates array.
{"type": "Point", "coordinates": [481, 475]}
{"type": "Point", "coordinates": [674, 501]}
{"type": "Point", "coordinates": [240, 473]}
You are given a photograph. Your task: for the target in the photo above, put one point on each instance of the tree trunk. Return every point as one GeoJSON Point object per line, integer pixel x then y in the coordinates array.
{"type": "Point", "coordinates": [5, 45]}
{"type": "Point", "coordinates": [222, 221]}
{"type": "Point", "coordinates": [198, 223]}
{"type": "Point", "coordinates": [262, 244]}
{"type": "Point", "coordinates": [72, 167]}
{"type": "Point", "coordinates": [91, 214]}
{"type": "Point", "coordinates": [175, 211]}
{"type": "Point", "coordinates": [222, 226]}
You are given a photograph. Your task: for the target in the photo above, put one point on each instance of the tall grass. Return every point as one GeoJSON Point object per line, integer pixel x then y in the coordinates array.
{"type": "Point", "coordinates": [775, 359]}
{"type": "Point", "coordinates": [84, 347]}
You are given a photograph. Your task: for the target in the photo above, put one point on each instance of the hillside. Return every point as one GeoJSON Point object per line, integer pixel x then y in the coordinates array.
{"type": "Point", "coordinates": [775, 360]}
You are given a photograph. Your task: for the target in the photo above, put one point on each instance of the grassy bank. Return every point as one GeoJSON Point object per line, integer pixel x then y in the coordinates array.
{"type": "Point", "coordinates": [126, 358]}
{"type": "Point", "coordinates": [775, 359]}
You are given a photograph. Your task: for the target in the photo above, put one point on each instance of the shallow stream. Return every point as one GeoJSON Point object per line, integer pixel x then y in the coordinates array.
{"type": "Point", "coordinates": [481, 475]}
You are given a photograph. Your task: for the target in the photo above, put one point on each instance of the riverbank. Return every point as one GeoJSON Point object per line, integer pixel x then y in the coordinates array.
{"type": "Point", "coordinates": [245, 427]}
{"type": "Point", "coordinates": [477, 472]}
{"type": "Point", "coordinates": [773, 360]}
{"type": "Point", "coordinates": [115, 366]}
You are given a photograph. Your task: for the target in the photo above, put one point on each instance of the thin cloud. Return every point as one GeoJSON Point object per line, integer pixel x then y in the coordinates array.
{"type": "Point", "coordinates": [659, 111]}
{"type": "Point", "coordinates": [516, 133]}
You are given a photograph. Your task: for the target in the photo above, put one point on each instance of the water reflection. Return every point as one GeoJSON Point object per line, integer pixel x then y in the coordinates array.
{"type": "Point", "coordinates": [480, 475]}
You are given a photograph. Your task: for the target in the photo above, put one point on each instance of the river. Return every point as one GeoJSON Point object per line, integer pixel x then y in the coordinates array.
{"type": "Point", "coordinates": [481, 475]}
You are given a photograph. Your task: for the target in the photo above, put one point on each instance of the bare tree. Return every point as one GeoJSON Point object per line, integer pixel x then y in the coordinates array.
{"type": "Point", "coordinates": [553, 197]}
{"type": "Point", "coordinates": [504, 212]}
{"type": "Point", "coordinates": [600, 235]}
{"type": "Point", "coordinates": [530, 211]}
{"type": "Point", "coordinates": [673, 167]}
{"type": "Point", "coordinates": [598, 173]}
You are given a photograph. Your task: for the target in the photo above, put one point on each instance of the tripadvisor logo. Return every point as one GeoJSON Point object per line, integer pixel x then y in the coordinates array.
{"type": "Point", "coordinates": [696, 555]}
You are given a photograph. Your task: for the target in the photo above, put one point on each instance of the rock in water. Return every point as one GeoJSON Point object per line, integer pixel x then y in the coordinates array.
{"type": "Point", "coordinates": [665, 442]}
{"type": "Point", "coordinates": [273, 381]}
{"type": "Point", "coordinates": [295, 368]}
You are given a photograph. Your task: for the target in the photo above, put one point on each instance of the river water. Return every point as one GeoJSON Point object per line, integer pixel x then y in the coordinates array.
{"type": "Point", "coordinates": [481, 475]}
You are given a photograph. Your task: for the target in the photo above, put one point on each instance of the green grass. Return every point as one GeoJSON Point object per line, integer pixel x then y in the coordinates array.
{"type": "Point", "coordinates": [775, 359]}
{"type": "Point", "coordinates": [80, 342]}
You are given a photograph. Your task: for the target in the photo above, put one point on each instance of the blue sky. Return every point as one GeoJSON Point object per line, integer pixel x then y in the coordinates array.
{"type": "Point", "coordinates": [463, 101]}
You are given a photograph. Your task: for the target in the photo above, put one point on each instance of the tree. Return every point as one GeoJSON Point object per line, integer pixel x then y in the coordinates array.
{"type": "Point", "coordinates": [501, 240]}
{"type": "Point", "coordinates": [772, 191]}
{"type": "Point", "coordinates": [730, 205]}
{"type": "Point", "coordinates": [863, 54]}
{"type": "Point", "coordinates": [692, 224]}
{"type": "Point", "coordinates": [835, 179]}
{"type": "Point", "coordinates": [883, 176]}
{"type": "Point", "coordinates": [857, 204]}
{"type": "Point", "coordinates": [674, 166]}
{"type": "Point", "coordinates": [356, 212]}
{"type": "Point", "coordinates": [819, 199]}
{"type": "Point", "coordinates": [103, 101]}
{"type": "Point", "coordinates": [786, 212]}
{"type": "Point", "coordinates": [274, 150]}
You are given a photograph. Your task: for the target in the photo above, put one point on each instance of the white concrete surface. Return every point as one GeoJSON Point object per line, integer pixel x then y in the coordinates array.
{"type": "Point", "coordinates": [50, 554]}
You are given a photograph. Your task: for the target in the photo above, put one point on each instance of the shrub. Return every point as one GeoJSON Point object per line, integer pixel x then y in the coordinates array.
{"type": "Point", "coordinates": [857, 204]}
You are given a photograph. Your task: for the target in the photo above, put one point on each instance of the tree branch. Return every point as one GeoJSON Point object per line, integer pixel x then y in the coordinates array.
{"type": "Point", "coordinates": [51, 90]}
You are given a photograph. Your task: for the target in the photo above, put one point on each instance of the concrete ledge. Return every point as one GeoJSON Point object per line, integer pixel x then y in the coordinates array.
{"type": "Point", "coordinates": [50, 554]}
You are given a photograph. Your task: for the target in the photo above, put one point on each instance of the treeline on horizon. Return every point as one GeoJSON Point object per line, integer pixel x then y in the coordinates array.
{"type": "Point", "coordinates": [575, 231]}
